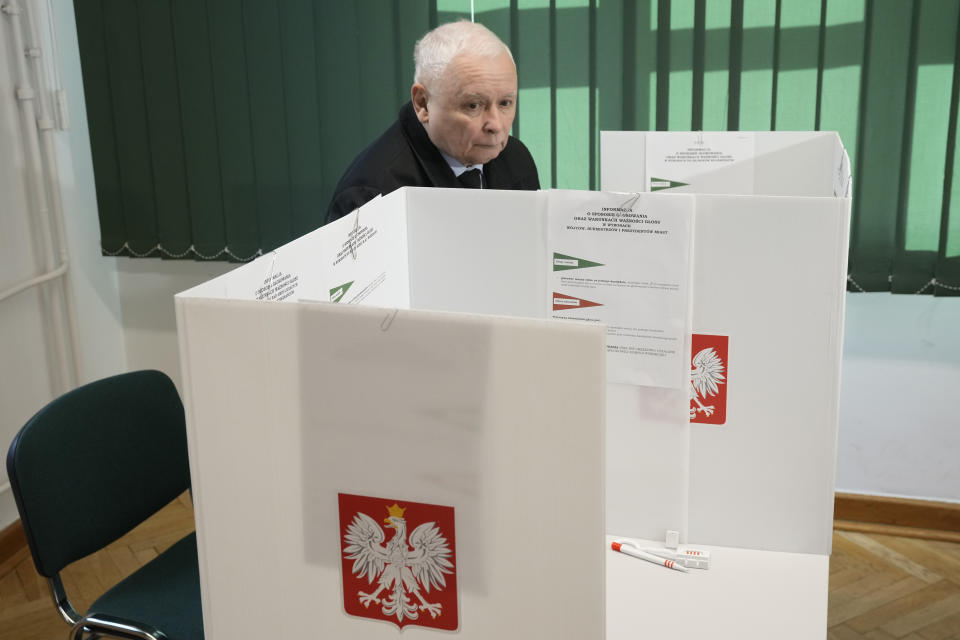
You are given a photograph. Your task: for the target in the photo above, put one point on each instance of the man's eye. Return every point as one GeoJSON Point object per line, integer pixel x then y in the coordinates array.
{"type": "Point", "coordinates": [506, 104]}
{"type": "Point", "coordinates": [473, 106]}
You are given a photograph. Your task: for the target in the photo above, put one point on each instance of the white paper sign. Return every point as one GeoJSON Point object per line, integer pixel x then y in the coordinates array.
{"type": "Point", "coordinates": [624, 260]}
{"type": "Point", "coordinates": [284, 274]}
{"type": "Point", "coordinates": [675, 161]}
{"type": "Point", "coordinates": [365, 258]}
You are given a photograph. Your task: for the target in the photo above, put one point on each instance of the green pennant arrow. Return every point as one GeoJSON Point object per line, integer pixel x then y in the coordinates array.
{"type": "Point", "coordinates": [659, 184]}
{"type": "Point", "coordinates": [562, 262]}
{"type": "Point", "coordinates": [337, 293]}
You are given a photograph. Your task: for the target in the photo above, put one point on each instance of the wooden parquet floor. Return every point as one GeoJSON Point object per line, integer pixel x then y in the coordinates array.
{"type": "Point", "coordinates": [881, 587]}
{"type": "Point", "coordinates": [26, 608]}
{"type": "Point", "coordinates": [884, 587]}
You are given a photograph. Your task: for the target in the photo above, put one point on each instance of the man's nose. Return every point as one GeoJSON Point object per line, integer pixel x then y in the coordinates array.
{"type": "Point", "coordinates": [494, 120]}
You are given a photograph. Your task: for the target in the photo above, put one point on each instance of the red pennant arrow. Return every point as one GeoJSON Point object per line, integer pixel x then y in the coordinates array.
{"type": "Point", "coordinates": [563, 302]}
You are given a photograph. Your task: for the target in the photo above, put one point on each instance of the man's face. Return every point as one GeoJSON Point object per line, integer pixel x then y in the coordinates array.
{"type": "Point", "coordinates": [470, 113]}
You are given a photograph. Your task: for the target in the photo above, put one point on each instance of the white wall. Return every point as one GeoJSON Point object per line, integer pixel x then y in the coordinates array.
{"type": "Point", "coordinates": [147, 287]}
{"type": "Point", "coordinates": [92, 276]}
{"type": "Point", "coordinates": [25, 383]}
{"type": "Point", "coordinates": [900, 400]}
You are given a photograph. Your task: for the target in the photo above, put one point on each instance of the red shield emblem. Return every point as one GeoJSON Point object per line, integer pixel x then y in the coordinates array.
{"type": "Point", "coordinates": [708, 379]}
{"type": "Point", "coordinates": [399, 561]}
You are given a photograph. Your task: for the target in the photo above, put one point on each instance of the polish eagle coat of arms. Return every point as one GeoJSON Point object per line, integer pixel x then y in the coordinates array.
{"type": "Point", "coordinates": [408, 579]}
{"type": "Point", "coordinates": [708, 369]}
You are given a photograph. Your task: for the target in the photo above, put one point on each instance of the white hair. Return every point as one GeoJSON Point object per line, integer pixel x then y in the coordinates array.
{"type": "Point", "coordinates": [437, 49]}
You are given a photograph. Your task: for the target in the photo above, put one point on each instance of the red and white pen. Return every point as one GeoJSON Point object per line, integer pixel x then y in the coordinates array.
{"type": "Point", "coordinates": [630, 550]}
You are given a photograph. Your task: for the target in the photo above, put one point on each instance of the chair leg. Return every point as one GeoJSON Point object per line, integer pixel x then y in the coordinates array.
{"type": "Point", "coordinates": [86, 634]}
{"type": "Point", "coordinates": [60, 600]}
{"type": "Point", "coordinates": [112, 627]}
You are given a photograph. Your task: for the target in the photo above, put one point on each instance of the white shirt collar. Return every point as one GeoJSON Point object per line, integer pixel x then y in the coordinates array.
{"type": "Point", "coordinates": [457, 166]}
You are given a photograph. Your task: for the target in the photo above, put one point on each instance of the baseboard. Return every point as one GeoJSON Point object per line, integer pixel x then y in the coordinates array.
{"type": "Point", "coordinates": [899, 516]}
{"type": "Point", "coordinates": [851, 512]}
{"type": "Point", "coordinates": [872, 528]}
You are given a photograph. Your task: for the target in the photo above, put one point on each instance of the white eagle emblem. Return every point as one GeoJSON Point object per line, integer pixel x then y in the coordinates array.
{"type": "Point", "coordinates": [401, 568]}
{"type": "Point", "coordinates": [705, 378]}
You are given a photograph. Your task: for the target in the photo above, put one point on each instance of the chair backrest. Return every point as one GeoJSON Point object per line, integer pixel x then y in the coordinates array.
{"type": "Point", "coordinates": [96, 462]}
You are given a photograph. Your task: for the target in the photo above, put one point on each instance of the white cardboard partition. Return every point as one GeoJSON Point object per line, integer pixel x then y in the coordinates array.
{"type": "Point", "coordinates": [770, 163]}
{"type": "Point", "coordinates": [767, 475]}
{"type": "Point", "coordinates": [386, 393]}
{"type": "Point", "coordinates": [486, 253]}
{"type": "Point", "coordinates": [768, 273]}
{"type": "Point", "coordinates": [402, 353]}
{"type": "Point", "coordinates": [290, 404]}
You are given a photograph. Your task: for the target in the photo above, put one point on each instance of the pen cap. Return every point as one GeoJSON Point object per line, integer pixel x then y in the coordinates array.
{"type": "Point", "coordinates": [673, 539]}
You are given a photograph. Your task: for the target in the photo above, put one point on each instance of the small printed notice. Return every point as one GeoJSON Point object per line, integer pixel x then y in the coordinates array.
{"type": "Point", "coordinates": [366, 259]}
{"type": "Point", "coordinates": [277, 286]}
{"type": "Point", "coordinates": [701, 162]}
{"type": "Point", "coordinates": [274, 277]}
{"type": "Point", "coordinates": [624, 260]}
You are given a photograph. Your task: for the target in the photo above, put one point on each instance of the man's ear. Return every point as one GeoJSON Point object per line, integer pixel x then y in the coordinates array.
{"type": "Point", "coordinates": [418, 96]}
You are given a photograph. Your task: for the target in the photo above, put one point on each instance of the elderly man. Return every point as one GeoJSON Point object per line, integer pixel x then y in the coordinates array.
{"type": "Point", "coordinates": [455, 131]}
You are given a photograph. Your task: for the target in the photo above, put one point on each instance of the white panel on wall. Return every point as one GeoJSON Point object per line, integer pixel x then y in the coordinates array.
{"type": "Point", "coordinates": [146, 288]}
{"type": "Point", "coordinates": [899, 416]}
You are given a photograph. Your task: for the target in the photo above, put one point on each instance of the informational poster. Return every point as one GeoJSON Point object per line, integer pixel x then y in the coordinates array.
{"type": "Point", "coordinates": [678, 161]}
{"type": "Point", "coordinates": [623, 260]}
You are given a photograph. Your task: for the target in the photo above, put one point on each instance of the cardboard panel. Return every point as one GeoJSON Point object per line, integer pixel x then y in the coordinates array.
{"type": "Point", "coordinates": [500, 419]}
{"type": "Point", "coordinates": [361, 257]}
{"type": "Point", "coordinates": [768, 274]}
{"type": "Point", "coordinates": [478, 251]}
{"type": "Point", "coordinates": [769, 287]}
{"type": "Point", "coordinates": [647, 470]}
{"type": "Point", "coordinates": [784, 163]}
{"type": "Point", "coordinates": [483, 252]}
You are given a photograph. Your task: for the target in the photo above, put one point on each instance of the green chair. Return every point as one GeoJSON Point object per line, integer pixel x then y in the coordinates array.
{"type": "Point", "coordinates": [88, 468]}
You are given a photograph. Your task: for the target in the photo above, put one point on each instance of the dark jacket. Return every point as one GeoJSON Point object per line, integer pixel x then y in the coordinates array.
{"type": "Point", "coordinates": [404, 156]}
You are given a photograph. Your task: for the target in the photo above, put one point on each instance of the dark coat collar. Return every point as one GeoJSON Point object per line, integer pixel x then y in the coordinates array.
{"type": "Point", "coordinates": [427, 154]}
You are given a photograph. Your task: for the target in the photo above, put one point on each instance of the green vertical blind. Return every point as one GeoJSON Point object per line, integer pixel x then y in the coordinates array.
{"type": "Point", "coordinates": [220, 127]}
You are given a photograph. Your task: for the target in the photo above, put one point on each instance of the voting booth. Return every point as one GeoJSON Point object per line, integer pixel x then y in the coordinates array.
{"type": "Point", "coordinates": [475, 390]}
{"type": "Point", "coordinates": [768, 289]}
{"type": "Point", "coordinates": [769, 280]}
{"type": "Point", "coordinates": [322, 432]}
